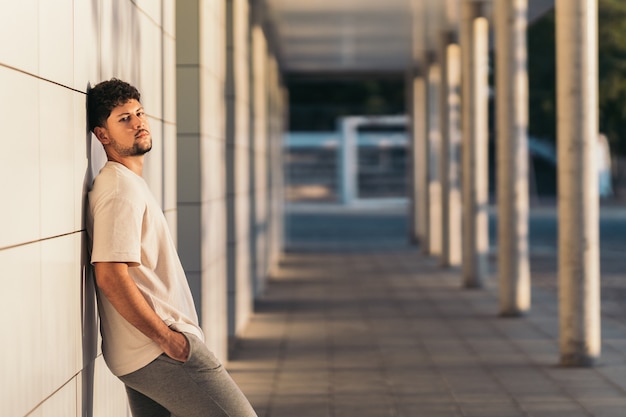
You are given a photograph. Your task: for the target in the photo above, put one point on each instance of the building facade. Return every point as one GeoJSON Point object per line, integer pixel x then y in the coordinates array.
{"type": "Point", "coordinates": [183, 57]}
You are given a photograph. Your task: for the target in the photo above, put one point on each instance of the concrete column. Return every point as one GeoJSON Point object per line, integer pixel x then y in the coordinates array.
{"type": "Point", "coordinates": [420, 158]}
{"type": "Point", "coordinates": [410, 161]}
{"type": "Point", "coordinates": [237, 95]}
{"type": "Point", "coordinates": [259, 156]}
{"type": "Point", "coordinates": [433, 246]}
{"type": "Point", "coordinates": [475, 59]}
{"type": "Point", "coordinates": [348, 162]}
{"type": "Point", "coordinates": [449, 169]}
{"type": "Point", "coordinates": [277, 122]}
{"type": "Point", "coordinates": [577, 119]}
{"type": "Point", "coordinates": [201, 174]}
{"type": "Point", "coordinates": [512, 157]}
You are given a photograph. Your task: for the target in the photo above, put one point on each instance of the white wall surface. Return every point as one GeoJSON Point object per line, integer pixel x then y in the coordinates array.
{"type": "Point", "coordinates": [201, 162]}
{"type": "Point", "coordinates": [51, 52]}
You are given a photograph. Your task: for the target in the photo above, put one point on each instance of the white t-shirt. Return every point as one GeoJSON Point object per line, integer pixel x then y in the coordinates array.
{"type": "Point", "coordinates": [126, 224]}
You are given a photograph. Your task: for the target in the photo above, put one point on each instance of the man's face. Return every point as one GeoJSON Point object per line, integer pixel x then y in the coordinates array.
{"type": "Point", "coordinates": [128, 131]}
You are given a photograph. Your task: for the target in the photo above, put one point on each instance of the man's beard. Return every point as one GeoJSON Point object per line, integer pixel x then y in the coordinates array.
{"type": "Point", "coordinates": [137, 149]}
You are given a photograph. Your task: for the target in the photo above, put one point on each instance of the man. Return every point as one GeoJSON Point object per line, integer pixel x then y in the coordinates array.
{"type": "Point", "coordinates": [151, 339]}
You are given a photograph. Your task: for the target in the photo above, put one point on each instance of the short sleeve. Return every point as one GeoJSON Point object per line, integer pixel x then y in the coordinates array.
{"type": "Point", "coordinates": [117, 228]}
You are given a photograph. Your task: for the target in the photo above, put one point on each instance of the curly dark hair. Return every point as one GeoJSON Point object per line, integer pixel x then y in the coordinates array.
{"type": "Point", "coordinates": [104, 97]}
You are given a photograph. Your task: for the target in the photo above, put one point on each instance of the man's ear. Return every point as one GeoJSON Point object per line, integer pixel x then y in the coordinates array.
{"type": "Point", "coordinates": [101, 134]}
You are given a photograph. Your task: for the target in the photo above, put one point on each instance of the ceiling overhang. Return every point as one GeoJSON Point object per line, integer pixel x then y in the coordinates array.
{"type": "Point", "coordinates": [363, 36]}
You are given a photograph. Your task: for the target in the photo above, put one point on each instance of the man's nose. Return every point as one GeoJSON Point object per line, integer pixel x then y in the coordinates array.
{"type": "Point", "coordinates": [138, 122]}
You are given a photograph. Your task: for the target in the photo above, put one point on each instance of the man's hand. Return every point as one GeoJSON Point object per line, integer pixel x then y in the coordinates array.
{"type": "Point", "coordinates": [176, 347]}
{"type": "Point", "coordinates": [118, 287]}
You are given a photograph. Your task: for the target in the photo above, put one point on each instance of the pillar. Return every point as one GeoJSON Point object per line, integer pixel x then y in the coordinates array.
{"type": "Point", "coordinates": [237, 151]}
{"type": "Point", "coordinates": [449, 169]}
{"type": "Point", "coordinates": [259, 153]}
{"type": "Point", "coordinates": [577, 127]}
{"type": "Point", "coordinates": [475, 59]}
{"type": "Point", "coordinates": [419, 157]}
{"type": "Point", "coordinates": [277, 125]}
{"type": "Point", "coordinates": [348, 163]}
{"type": "Point", "coordinates": [512, 155]}
{"type": "Point", "coordinates": [433, 246]}
{"type": "Point", "coordinates": [201, 140]}
{"type": "Point", "coordinates": [410, 159]}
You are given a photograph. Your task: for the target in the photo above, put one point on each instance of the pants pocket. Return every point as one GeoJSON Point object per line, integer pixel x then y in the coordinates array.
{"type": "Point", "coordinates": [200, 357]}
{"type": "Point", "coordinates": [168, 359]}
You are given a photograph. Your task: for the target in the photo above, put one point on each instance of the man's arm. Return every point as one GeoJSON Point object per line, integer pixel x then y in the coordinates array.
{"type": "Point", "coordinates": [117, 286]}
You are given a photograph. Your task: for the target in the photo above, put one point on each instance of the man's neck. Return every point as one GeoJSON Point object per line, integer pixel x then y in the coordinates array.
{"type": "Point", "coordinates": [134, 163]}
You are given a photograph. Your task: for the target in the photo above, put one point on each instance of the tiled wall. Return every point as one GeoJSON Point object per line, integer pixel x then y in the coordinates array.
{"type": "Point", "coordinates": [51, 52]}
{"type": "Point", "coordinates": [201, 161]}
{"type": "Point", "coordinates": [176, 54]}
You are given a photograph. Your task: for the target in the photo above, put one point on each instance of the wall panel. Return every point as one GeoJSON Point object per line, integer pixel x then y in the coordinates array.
{"type": "Point", "coordinates": [86, 42]}
{"type": "Point", "coordinates": [64, 402]}
{"type": "Point", "coordinates": [56, 42]}
{"type": "Point", "coordinates": [56, 160]}
{"type": "Point", "coordinates": [60, 300]}
{"type": "Point", "coordinates": [19, 159]}
{"type": "Point", "coordinates": [21, 362]}
{"type": "Point", "coordinates": [24, 54]}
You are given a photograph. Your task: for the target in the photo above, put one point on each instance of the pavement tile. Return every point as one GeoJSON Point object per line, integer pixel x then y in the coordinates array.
{"type": "Point", "coordinates": [304, 405]}
{"type": "Point", "coordinates": [349, 329]}
{"type": "Point", "coordinates": [494, 410]}
{"type": "Point", "coordinates": [440, 410]}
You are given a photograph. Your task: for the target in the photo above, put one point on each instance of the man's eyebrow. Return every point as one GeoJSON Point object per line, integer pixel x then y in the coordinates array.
{"type": "Point", "coordinates": [127, 112]}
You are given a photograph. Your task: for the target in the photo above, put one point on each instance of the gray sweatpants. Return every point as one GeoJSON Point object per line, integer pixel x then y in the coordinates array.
{"type": "Point", "coordinates": [200, 387]}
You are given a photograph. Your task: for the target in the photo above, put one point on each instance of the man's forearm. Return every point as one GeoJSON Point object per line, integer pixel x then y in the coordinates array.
{"type": "Point", "coordinates": [116, 284]}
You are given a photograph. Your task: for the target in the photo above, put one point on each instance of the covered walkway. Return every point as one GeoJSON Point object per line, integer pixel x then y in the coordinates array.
{"type": "Point", "coordinates": [351, 326]}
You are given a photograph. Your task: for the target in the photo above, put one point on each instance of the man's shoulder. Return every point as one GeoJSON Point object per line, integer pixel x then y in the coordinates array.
{"type": "Point", "coordinates": [114, 180]}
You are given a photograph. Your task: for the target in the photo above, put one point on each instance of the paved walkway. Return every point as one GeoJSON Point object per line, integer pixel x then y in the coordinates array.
{"type": "Point", "coordinates": [350, 329]}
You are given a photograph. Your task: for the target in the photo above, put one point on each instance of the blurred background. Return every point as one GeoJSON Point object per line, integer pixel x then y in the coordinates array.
{"type": "Point", "coordinates": [279, 126]}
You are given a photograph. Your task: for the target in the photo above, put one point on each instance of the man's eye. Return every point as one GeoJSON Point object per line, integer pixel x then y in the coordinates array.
{"type": "Point", "coordinates": [141, 114]}
{"type": "Point", "coordinates": [125, 119]}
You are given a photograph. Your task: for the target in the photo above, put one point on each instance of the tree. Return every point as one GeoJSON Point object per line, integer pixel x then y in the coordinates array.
{"type": "Point", "coordinates": [315, 103]}
{"type": "Point", "coordinates": [542, 78]}
{"type": "Point", "coordinates": [612, 74]}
